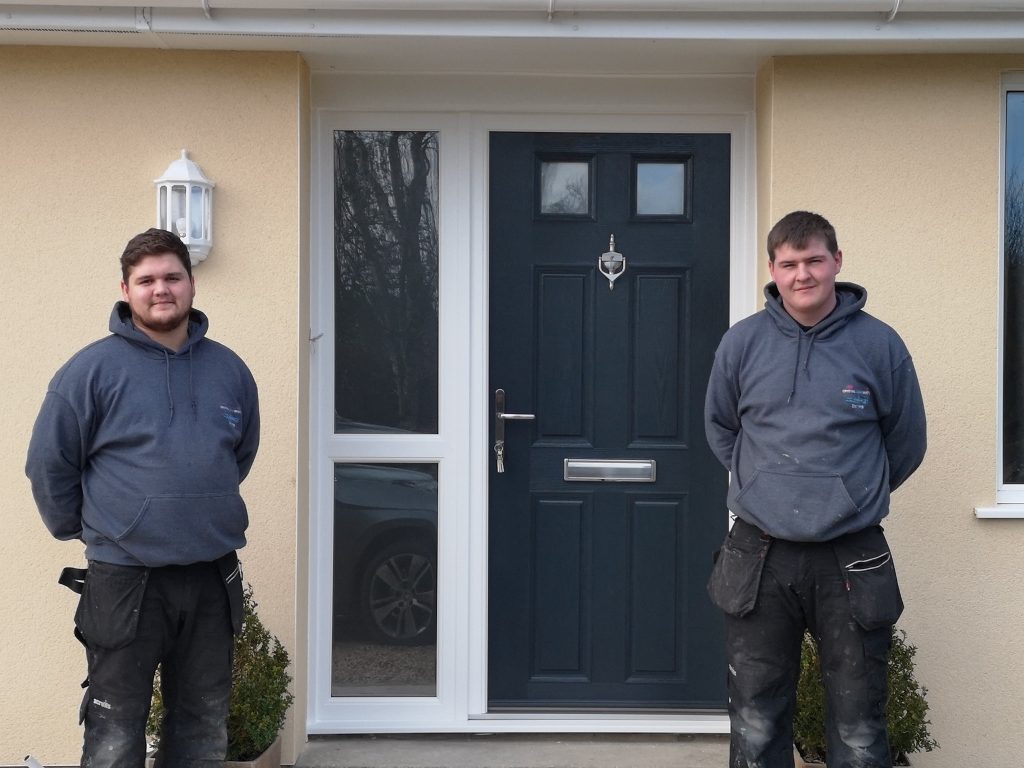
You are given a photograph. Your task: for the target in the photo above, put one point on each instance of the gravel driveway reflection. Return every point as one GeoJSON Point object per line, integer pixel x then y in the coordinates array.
{"type": "Point", "coordinates": [372, 669]}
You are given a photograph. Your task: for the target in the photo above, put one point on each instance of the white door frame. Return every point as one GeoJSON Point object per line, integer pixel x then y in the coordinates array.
{"type": "Point", "coordinates": [462, 445]}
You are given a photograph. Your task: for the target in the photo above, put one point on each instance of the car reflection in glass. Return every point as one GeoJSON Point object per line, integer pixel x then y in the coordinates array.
{"type": "Point", "coordinates": [385, 552]}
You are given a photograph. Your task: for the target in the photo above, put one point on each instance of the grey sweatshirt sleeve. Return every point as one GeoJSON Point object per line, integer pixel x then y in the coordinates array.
{"type": "Point", "coordinates": [245, 451]}
{"type": "Point", "coordinates": [721, 420]}
{"type": "Point", "coordinates": [903, 428]}
{"type": "Point", "coordinates": [54, 467]}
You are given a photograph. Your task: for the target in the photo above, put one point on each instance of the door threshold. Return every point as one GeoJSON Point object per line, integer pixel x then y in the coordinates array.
{"type": "Point", "coordinates": [539, 721]}
{"type": "Point", "coordinates": [609, 710]}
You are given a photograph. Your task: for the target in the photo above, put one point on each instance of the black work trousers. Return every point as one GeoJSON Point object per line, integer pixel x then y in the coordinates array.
{"type": "Point", "coordinates": [133, 619]}
{"type": "Point", "coordinates": [806, 586]}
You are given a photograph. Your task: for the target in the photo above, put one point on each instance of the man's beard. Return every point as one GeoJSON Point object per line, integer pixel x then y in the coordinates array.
{"type": "Point", "coordinates": [163, 324]}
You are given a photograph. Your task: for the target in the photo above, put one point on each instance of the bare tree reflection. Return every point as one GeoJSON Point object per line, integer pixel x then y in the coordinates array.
{"type": "Point", "coordinates": [564, 189]}
{"type": "Point", "coordinates": [386, 263]}
{"type": "Point", "coordinates": [573, 199]}
{"type": "Point", "coordinates": [1013, 331]}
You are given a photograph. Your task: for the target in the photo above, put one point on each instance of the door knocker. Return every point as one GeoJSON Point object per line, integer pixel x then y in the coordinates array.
{"type": "Point", "coordinates": [611, 264]}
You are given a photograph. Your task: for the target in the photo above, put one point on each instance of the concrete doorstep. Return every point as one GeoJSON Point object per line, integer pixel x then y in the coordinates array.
{"type": "Point", "coordinates": [517, 751]}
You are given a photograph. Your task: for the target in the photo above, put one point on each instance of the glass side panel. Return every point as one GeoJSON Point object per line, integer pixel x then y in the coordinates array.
{"type": "Point", "coordinates": [565, 188]}
{"type": "Point", "coordinates": [660, 188]}
{"type": "Point", "coordinates": [1013, 293]}
{"type": "Point", "coordinates": [385, 290]}
{"type": "Point", "coordinates": [385, 580]}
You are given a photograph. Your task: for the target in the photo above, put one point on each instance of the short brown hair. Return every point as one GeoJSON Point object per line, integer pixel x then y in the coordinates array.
{"type": "Point", "coordinates": [798, 228]}
{"type": "Point", "coordinates": [154, 242]}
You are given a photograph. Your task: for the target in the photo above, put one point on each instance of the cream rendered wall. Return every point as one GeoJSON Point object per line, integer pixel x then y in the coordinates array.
{"type": "Point", "coordinates": [83, 133]}
{"type": "Point", "coordinates": [902, 155]}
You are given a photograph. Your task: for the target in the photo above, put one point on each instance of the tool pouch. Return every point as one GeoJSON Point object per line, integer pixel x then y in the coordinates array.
{"type": "Point", "coordinates": [108, 611]}
{"type": "Point", "coordinates": [736, 576]}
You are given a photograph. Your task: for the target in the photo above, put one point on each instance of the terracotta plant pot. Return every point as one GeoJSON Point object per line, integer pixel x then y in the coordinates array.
{"type": "Point", "coordinates": [799, 761]}
{"type": "Point", "coordinates": [271, 758]}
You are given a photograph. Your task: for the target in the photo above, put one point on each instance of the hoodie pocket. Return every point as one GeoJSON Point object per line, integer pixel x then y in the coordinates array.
{"type": "Point", "coordinates": [178, 529]}
{"type": "Point", "coordinates": [769, 493]}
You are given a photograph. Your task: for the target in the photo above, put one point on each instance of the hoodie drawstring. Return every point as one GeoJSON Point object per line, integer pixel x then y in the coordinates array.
{"type": "Point", "coordinates": [807, 361]}
{"type": "Point", "coordinates": [191, 391]}
{"type": "Point", "coordinates": [167, 377]}
{"type": "Point", "coordinates": [191, 394]}
{"type": "Point", "coordinates": [796, 369]}
{"type": "Point", "coordinates": [810, 348]}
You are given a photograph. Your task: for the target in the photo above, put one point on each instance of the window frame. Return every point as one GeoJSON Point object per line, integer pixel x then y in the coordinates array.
{"type": "Point", "coordinates": [446, 448]}
{"type": "Point", "coordinates": [1009, 496]}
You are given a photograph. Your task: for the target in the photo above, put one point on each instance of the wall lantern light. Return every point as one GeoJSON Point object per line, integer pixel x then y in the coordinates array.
{"type": "Point", "coordinates": [184, 206]}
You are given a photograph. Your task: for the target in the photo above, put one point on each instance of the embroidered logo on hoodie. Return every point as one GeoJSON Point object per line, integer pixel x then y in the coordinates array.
{"type": "Point", "coordinates": [856, 398]}
{"type": "Point", "coordinates": [232, 416]}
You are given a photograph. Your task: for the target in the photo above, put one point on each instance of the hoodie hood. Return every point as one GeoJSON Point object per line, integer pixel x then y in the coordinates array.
{"type": "Point", "coordinates": [121, 325]}
{"type": "Point", "coordinates": [850, 298]}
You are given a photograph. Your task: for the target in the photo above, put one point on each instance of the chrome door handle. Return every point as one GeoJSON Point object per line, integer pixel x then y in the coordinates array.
{"type": "Point", "coordinates": [500, 417]}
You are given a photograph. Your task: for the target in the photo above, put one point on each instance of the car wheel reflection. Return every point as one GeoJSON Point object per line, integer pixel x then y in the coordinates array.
{"type": "Point", "coordinates": [399, 592]}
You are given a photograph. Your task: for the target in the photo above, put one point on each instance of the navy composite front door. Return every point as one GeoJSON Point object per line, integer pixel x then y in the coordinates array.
{"type": "Point", "coordinates": [609, 504]}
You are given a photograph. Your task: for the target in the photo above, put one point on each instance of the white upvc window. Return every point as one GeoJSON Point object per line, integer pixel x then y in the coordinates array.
{"type": "Point", "coordinates": [1010, 470]}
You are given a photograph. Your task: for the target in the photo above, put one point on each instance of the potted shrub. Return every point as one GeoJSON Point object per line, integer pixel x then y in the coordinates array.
{"type": "Point", "coordinates": [906, 711]}
{"type": "Point", "coordinates": [259, 694]}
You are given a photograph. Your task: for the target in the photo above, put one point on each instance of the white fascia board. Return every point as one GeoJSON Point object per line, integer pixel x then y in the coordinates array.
{"type": "Point", "coordinates": [311, 23]}
{"type": "Point", "coordinates": [40, 17]}
{"type": "Point", "coordinates": [900, 7]}
{"type": "Point", "coordinates": [494, 19]}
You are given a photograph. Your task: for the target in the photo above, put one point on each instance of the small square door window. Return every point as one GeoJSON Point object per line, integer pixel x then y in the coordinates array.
{"type": "Point", "coordinates": [565, 187]}
{"type": "Point", "coordinates": [660, 188]}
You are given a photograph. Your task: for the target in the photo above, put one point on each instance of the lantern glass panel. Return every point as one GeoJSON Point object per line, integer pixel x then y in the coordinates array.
{"type": "Point", "coordinates": [162, 208]}
{"type": "Point", "coordinates": [178, 205]}
{"type": "Point", "coordinates": [195, 212]}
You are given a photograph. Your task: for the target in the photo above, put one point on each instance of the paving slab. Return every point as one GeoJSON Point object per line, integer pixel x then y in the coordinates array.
{"type": "Point", "coordinates": [517, 751]}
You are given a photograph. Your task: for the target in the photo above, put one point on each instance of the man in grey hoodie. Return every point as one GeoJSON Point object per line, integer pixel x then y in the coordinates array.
{"type": "Point", "coordinates": [138, 451]}
{"type": "Point", "coordinates": [814, 407]}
